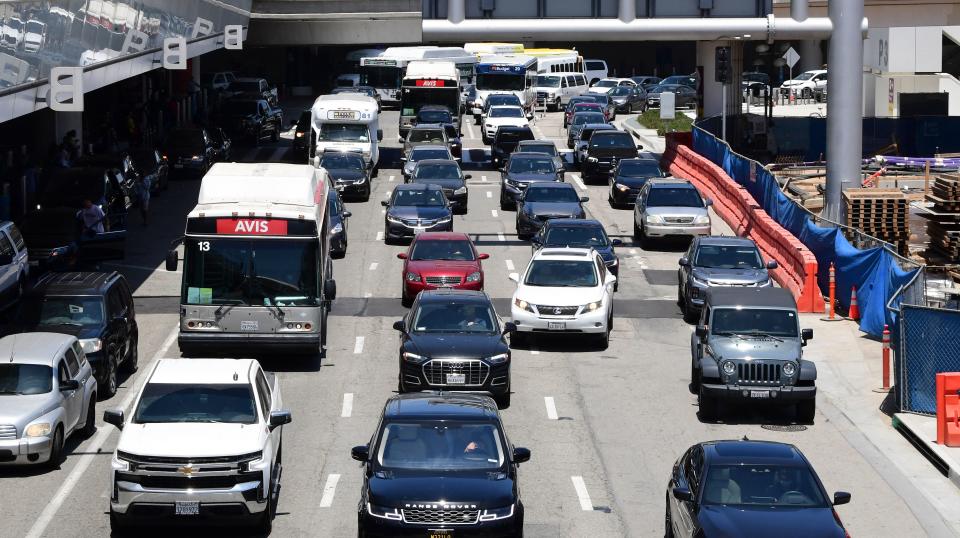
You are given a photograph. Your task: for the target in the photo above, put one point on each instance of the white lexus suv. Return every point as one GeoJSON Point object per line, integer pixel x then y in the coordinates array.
{"type": "Point", "coordinates": [502, 116]}
{"type": "Point", "coordinates": [203, 441]}
{"type": "Point", "coordinates": [564, 290]}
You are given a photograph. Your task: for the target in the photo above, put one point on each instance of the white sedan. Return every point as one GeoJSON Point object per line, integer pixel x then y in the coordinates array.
{"type": "Point", "coordinates": [607, 84]}
{"type": "Point", "coordinates": [502, 116]}
{"type": "Point", "coordinates": [564, 290]}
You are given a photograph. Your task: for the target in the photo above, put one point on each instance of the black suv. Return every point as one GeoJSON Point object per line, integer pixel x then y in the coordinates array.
{"type": "Point", "coordinates": [440, 464]}
{"type": "Point", "coordinates": [454, 340]}
{"type": "Point", "coordinates": [506, 141]}
{"type": "Point", "coordinates": [190, 151]}
{"type": "Point", "coordinates": [252, 119]}
{"type": "Point", "coordinates": [97, 308]}
{"type": "Point", "coordinates": [604, 150]}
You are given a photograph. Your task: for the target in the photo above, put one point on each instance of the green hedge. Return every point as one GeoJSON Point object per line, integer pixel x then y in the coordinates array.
{"type": "Point", "coordinates": [651, 120]}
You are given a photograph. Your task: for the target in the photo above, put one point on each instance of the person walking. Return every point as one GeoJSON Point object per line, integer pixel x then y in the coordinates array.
{"type": "Point", "coordinates": [143, 188]}
{"type": "Point", "coordinates": [93, 217]}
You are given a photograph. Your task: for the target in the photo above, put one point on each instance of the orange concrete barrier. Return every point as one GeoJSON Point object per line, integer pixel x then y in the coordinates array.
{"type": "Point", "coordinates": [797, 271]}
{"type": "Point", "coordinates": [948, 409]}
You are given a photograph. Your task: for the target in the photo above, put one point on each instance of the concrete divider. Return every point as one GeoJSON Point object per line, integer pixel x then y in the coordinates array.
{"type": "Point", "coordinates": [797, 271]}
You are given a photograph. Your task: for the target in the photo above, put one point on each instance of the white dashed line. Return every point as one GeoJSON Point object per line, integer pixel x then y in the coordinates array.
{"type": "Point", "coordinates": [373, 266]}
{"type": "Point", "coordinates": [534, 350]}
{"type": "Point", "coordinates": [483, 179]}
{"type": "Point", "coordinates": [579, 182]}
{"type": "Point", "coordinates": [500, 237]}
{"type": "Point", "coordinates": [379, 236]}
{"type": "Point", "coordinates": [391, 178]}
{"type": "Point", "coordinates": [633, 252]}
{"type": "Point", "coordinates": [347, 408]}
{"type": "Point", "coordinates": [470, 130]}
{"type": "Point", "coordinates": [330, 489]}
{"type": "Point", "coordinates": [489, 194]}
{"type": "Point", "coordinates": [367, 295]}
{"type": "Point", "coordinates": [358, 346]}
{"type": "Point", "coordinates": [578, 484]}
{"type": "Point", "coordinates": [510, 265]}
{"type": "Point", "coordinates": [551, 407]}
{"type": "Point", "coordinates": [494, 213]}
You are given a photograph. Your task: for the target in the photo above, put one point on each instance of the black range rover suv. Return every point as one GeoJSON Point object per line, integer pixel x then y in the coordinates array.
{"type": "Point", "coordinates": [440, 464]}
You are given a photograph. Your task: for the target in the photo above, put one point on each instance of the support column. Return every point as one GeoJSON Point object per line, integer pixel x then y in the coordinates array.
{"type": "Point", "coordinates": [456, 10]}
{"type": "Point", "coordinates": [844, 104]}
{"type": "Point", "coordinates": [628, 10]}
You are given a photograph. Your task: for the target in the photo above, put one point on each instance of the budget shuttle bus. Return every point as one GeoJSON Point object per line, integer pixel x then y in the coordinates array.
{"type": "Point", "coordinates": [429, 82]}
{"type": "Point", "coordinates": [556, 60]}
{"type": "Point", "coordinates": [385, 72]}
{"type": "Point", "coordinates": [507, 73]}
{"type": "Point", "coordinates": [256, 268]}
{"type": "Point", "coordinates": [346, 122]}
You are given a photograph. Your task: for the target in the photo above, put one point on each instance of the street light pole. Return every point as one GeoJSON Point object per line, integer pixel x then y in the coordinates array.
{"type": "Point", "coordinates": [723, 112]}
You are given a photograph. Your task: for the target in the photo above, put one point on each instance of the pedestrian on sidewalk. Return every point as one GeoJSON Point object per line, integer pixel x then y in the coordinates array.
{"type": "Point", "coordinates": [143, 188]}
{"type": "Point", "coordinates": [92, 217]}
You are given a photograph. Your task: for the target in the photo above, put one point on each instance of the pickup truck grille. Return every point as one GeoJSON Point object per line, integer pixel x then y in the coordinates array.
{"type": "Point", "coordinates": [758, 373]}
{"type": "Point", "coordinates": [436, 516]}
{"type": "Point", "coordinates": [194, 482]}
{"type": "Point", "coordinates": [436, 370]}
{"type": "Point", "coordinates": [8, 431]}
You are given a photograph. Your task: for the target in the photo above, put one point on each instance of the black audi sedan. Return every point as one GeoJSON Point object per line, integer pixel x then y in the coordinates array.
{"type": "Point", "coordinates": [447, 174]}
{"type": "Point", "coordinates": [522, 170]}
{"type": "Point", "coordinates": [454, 340]}
{"type": "Point", "coordinates": [628, 177]}
{"type": "Point", "coordinates": [338, 225]}
{"type": "Point", "coordinates": [749, 488]}
{"type": "Point", "coordinates": [580, 233]}
{"type": "Point", "coordinates": [415, 208]}
{"type": "Point", "coordinates": [349, 173]}
{"type": "Point", "coordinates": [544, 201]}
{"type": "Point", "coordinates": [505, 142]}
{"type": "Point", "coordinates": [440, 464]}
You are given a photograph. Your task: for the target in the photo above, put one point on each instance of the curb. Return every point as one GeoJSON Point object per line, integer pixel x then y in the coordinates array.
{"type": "Point", "coordinates": [633, 127]}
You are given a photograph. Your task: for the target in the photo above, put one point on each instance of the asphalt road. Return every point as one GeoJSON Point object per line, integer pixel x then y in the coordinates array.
{"type": "Point", "coordinates": [612, 421]}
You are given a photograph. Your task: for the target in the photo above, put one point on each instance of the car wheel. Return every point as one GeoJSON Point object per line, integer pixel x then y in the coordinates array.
{"type": "Point", "coordinates": [504, 203]}
{"type": "Point", "coordinates": [629, 108]}
{"type": "Point", "coordinates": [667, 523]}
{"type": "Point", "coordinates": [603, 339]}
{"type": "Point", "coordinates": [636, 230]}
{"type": "Point", "coordinates": [517, 339]}
{"type": "Point", "coordinates": [265, 525]}
{"type": "Point", "coordinates": [681, 302]}
{"type": "Point", "coordinates": [503, 401]}
{"type": "Point", "coordinates": [117, 522]}
{"type": "Point", "coordinates": [56, 449]}
{"type": "Point", "coordinates": [708, 406]}
{"type": "Point", "coordinates": [690, 312]}
{"type": "Point", "coordinates": [130, 362]}
{"type": "Point", "coordinates": [644, 240]}
{"type": "Point", "coordinates": [110, 378]}
{"type": "Point", "coordinates": [806, 411]}
{"type": "Point", "coordinates": [366, 195]}
{"type": "Point", "coordinates": [257, 137]}
{"type": "Point", "coordinates": [275, 137]}
{"type": "Point", "coordinates": [386, 236]}
{"type": "Point", "coordinates": [694, 378]}
{"type": "Point", "coordinates": [90, 426]}
{"type": "Point", "coordinates": [407, 302]}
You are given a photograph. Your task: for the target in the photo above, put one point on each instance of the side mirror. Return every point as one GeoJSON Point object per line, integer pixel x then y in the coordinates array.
{"type": "Point", "coordinates": [360, 453]}
{"type": "Point", "coordinates": [468, 176]}
{"type": "Point", "coordinates": [521, 455]}
{"type": "Point", "coordinates": [70, 384]}
{"type": "Point", "coordinates": [385, 203]}
{"type": "Point", "coordinates": [279, 418]}
{"type": "Point", "coordinates": [379, 135]}
{"type": "Point", "coordinates": [639, 148]}
{"type": "Point", "coordinates": [806, 334]}
{"type": "Point", "coordinates": [402, 255]}
{"type": "Point", "coordinates": [514, 277]}
{"type": "Point", "coordinates": [400, 326]}
{"type": "Point", "coordinates": [708, 202]}
{"type": "Point", "coordinates": [682, 494]}
{"type": "Point", "coordinates": [584, 199]}
{"type": "Point", "coordinates": [114, 416]}
{"type": "Point", "coordinates": [841, 497]}
{"type": "Point", "coordinates": [483, 256]}
{"type": "Point", "coordinates": [400, 139]}
{"type": "Point", "coordinates": [172, 260]}
{"type": "Point", "coordinates": [330, 289]}
{"type": "Point", "coordinates": [701, 331]}
{"type": "Point", "coordinates": [616, 242]}
{"type": "Point", "coordinates": [684, 262]}
{"type": "Point", "coordinates": [509, 327]}
{"type": "Point", "coordinates": [772, 264]}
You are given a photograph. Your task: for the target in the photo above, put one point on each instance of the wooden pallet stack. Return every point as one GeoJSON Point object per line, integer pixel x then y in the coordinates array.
{"type": "Point", "coordinates": [882, 213]}
{"type": "Point", "coordinates": [943, 220]}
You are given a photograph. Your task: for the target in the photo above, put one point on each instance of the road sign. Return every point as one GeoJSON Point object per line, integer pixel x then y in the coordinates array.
{"type": "Point", "coordinates": [791, 57]}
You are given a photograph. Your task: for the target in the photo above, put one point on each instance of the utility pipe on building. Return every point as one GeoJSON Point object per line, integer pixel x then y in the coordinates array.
{"type": "Point", "coordinates": [798, 10]}
{"type": "Point", "coordinates": [627, 11]}
{"type": "Point", "coordinates": [456, 10]}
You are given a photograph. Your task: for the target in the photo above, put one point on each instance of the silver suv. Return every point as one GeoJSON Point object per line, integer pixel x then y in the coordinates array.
{"type": "Point", "coordinates": [14, 265]}
{"type": "Point", "coordinates": [718, 261]}
{"type": "Point", "coordinates": [670, 207]}
{"type": "Point", "coordinates": [47, 393]}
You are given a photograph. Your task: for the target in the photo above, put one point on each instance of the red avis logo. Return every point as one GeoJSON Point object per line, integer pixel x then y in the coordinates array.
{"type": "Point", "coordinates": [251, 227]}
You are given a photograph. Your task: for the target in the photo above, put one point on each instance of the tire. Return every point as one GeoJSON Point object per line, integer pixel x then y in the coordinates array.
{"type": "Point", "coordinates": [117, 523]}
{"type": "Point", "coordinates": [636, 230]}
{"type": "Point", "coordinates": [504, 203]}
{"type": "Point", "coordinates": [603, 339]}
{"type": "Point", "coordinates": [694, 378]}
{"type": "Point", "coordinates": [275, 137]}
{"type": "Point", "coordinates": [265, 524]}
{"type": "Point", "coordinates": [690, 313]}
{"type": "Point", "coordinates": [667, 522]}
{"type": "Point", "coordinates": [407, 302]}
{"type": "Point", "coordinates": [806, 93]}
{"type": "Point", "coordinates": [110, 378]}
{"type": "Point", "coordinates": [629, 108]}
{"type": "Point", "coordinates": [644, 240]}
{"type": "Point", "coordinates": [90, 426]}
{"type": "Point", "coordinates": [56, 449]}
{"type": "Point", "coordinates": [257, 137]}
{"type": "Point", "coordinates": [806, 411]}
{"type": "Point", "coordinates": [708, 406]}
{"type": "Point", "coordinates": [503, 401]}
{"type": "Point", "coordinates": [517, 338]}
{"type": "Point", "coordinates": [130, 361]}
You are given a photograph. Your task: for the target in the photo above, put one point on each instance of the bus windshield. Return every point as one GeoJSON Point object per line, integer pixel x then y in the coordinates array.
{"type": "Point", "coordinates": [501, 82]}
{"type": "Point", "coordinates": [343, 132]}
{"type": "Point", "coordinates": [414, 98]}
{"type": "Point", "coordinates": [251, 272]}
{"type": "Point", "coordinates": [386, 77]}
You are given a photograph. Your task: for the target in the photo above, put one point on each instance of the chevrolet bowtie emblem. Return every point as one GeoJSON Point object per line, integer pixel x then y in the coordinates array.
{"type": "Point", "coordinates": [187, 470]}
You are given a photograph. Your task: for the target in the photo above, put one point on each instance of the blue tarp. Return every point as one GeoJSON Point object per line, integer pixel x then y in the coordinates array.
{"type": "Point", "coordinates": [874, 271]}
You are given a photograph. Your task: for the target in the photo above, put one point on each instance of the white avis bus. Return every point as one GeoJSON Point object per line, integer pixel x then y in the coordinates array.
{"type": "Point", "coordinates": [385, 72]}
{"type": "Point", "coordinates": [429, 82]}
{"type": "Point", "coordinates": [346, 122]}
{"type": "Point", "coordinates": [256, 270]}
{"type": "Point", "coordinates": [507, 73]}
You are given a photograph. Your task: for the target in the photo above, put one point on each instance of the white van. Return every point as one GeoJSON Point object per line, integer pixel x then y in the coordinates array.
{"type": "Point", "coordinates": [346, 122]}
{"type": "Point", "coordinates": [556, 89]}
{"type": "Point", "coordinates": [595, 70]}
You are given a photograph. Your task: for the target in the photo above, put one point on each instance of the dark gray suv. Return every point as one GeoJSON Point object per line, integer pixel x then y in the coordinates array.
{"type": "Point", "coordinates": [748, 346]}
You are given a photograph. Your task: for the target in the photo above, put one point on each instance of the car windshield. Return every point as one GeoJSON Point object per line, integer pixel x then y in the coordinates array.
{"type": "Point", "coordinates": [531, 166]}
{"type": "Point", "coordinates": [728, 257]}
{"type": "Point", "coordinates": [805, 76]}
{"type": "Point", "coordinates": [674, 197]}
{"type": "Point", "coordinates": [440, 446]}
{"type": "Point", "coordinates": [605, 84]}
{"type": "Point", "coordinates": [342, 161]}
{"type": "Point", "coordinates": [588, 107]}
{"type": "Point", "coordinates": [430, 136]}
{"type": "Point", "coordinates": [503, 100]}
{"type": "Point", "coordinates": [549, 149]}
{"type": "Point", "coordinates": [239, 108]}
{"type": "Point", "coordinates": [22, 379]}
{"type": "Point", "coordinates": [506, 112]}
{"type": "Point", "coordinates": [686, 80]}
{"type": "Point", "coordinates": [762, 485]}
{"type": "Point", "coordinates": [640, 169]}
{"type": "Point", "coordinates": [621, 90]}
{"type": "Point", "coordinates": [745, 321]}
{"type": "Point", "coordinates": [490, 81]}
{"type": "Point", "coordinates": [342, 132]}
{"type": "Point", "coordinates": [612, 140]}
{"type": "Point", "coordinates": [176, 403]}
{"type": "Point", "coordinates": [452, 317]}
{"type": "Point", "coordinates": [185, 139]}
{"type": "Point", "coordinates": [575, 236]}
{"type": "Point", "coordinates": [434, 116]}
{"type": "Point", "coordinates": [550, 195]}
{"type": "Point", "coordinates": [600, 98]}
{"type": "Point", "coordinates": [582, 118]}
{"type": "Point", "coordinates": [422, 154]}
{"type": "Point", "coordinates": [437, 171]}
{"type": "Point", "coordinates": [448, 250]}
{"type": "Point", "coordinates": [562, 274]}
{"type": "Point", "coordinates": [51, 310]}
{"type": "Point", "coordinates": [245, 85]}
{"type": "Point", "coordinates": [548, 81]}
{"type": "Point", "coordinates": [574, 101]}
{"type": "Point", "coordinates": [419, 197]}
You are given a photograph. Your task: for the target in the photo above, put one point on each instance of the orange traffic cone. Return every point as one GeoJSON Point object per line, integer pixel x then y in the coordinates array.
{"type": "Point", "coordinates": [854, 308]}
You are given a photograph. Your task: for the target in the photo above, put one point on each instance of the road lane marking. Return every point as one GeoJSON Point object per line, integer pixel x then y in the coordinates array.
{"type": "Point", "coordinates": [379, 236]}
{"type": "Point", "coordinates": [347, 408]}
{"type": "Point", "coordinates": [534, 350]}
{"type": "Point", "coordinates": [391, 178]}
{"type": "Point", "coordinates": [483, 179]}
{"type": "Point", "coordinates": [358, 346]}
{"type": "Point", "coordinates": [489, 194]}
{"type": "Point", "coordinates": [582, 494]}
{"type": "Point", "coordinates": [494, 213]}
{"type": "Point", "coordinates": [500, 237]}
{"type": "Point", "coordinates": [510, 265]}
{"type": "Point", "coordinates": [367, 295]}
{"type": "Point", "coordinates": [633, 252]}
{"type": "Point", "coordinates": [579, 182]}
{"type": "Point", "coordinates": [330, 489]}
{"type": "Point", "coordinates": [373, 266]}
{"type": "Point", "coordinates": [470, 130]}
{"type": "Point", "coordinates": [92, 450]}
{"type": "Point", "coordinates": [551, 407]}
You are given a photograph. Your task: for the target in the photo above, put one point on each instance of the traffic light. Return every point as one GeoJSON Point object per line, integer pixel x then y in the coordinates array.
{"type": "Point", "coordinates": [723, 71]}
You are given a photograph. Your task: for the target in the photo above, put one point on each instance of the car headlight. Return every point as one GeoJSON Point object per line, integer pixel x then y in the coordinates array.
{"type": "Point", "coordinates": [474, 277]}
{"type": "Point", "coordinates": [461, 190]}
{"type": "Point", "coordinates": [591, 307]}
{"type": "Point", "coordinates": [729, 368]}
{"type": "Point", "coordinates": [789, 369]}
{"type": "Point", "coordinates": [702, 219]}
{"type": "Point", "coordinates": [40, 429]}
{"type": "Point", "coordinates": [523, 305]}
{"type": "Point", "coordinates": [119, 464]}
{"type": "Point", "coordinates": [394, 220]}
{"type": "Point", "coordinates": [621, 187]}
{"type": "Point", "coordinates": [383, 512]}
{"type": "Point", "coordinates": [491, 514]}
{"type": "Point", "coordinates": [699, 282]}
{"type": "Point", "coordinates": [766, 283]}
{"type": "Point", "coordinates": [337, 229]}
{"type": "Point", "coordinates": [442, 220]}
{"type": "Point", "coordinates": [592, 159]}
{"type": "Point", "coordinates": [653, 219]}
{"type": "Point", "coordinates": [196, 158]}
{"type": "Point", "coordinates": [488, 126]}
{"type": "Point", "coordinates": [412, 277]}
{"type": "Point", "coordinates": [499, 359]}
{"type": "Point", "coordinates": [91, 345]}
{"type": "Point", "coordinates": [299, 135]}
{"type": "Point", "coordinates": [413, 357]}
{"type": "Point", "coordinates": [253, 461]}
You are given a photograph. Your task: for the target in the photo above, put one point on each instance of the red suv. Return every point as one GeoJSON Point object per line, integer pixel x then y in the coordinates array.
{"type": "Point", "coordinates": [440, 260]}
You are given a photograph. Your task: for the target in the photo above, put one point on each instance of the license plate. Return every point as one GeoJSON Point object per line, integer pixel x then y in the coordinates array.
{"type": "Point", "coordinates": [187, 508]}
{"type": "Point", "coordinates": [456, 379]}
{"type": "Point", "coordinates": [556, 325]}
{"type": "Point", "coordinates": [178, 166]}
{"type": "Point", "coordinates": [250, 325]}
{"type": "Point", "coordinates": [440, 533]}
{"type": "Point", "coordinates": [759, 393]}
{"type": "Point", "coordinates": [418, 229]}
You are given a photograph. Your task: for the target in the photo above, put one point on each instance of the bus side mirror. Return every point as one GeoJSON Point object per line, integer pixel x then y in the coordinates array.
{"type": "Point", "coordinates": [172, 260]}
{"type": "Point", "coordinates": [379, 135]}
